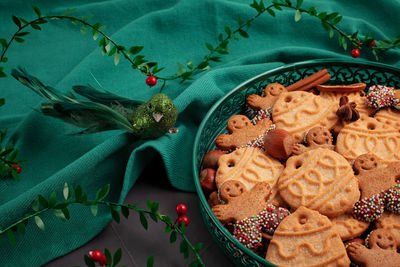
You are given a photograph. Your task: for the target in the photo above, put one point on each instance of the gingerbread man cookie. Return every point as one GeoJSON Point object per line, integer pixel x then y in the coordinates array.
{"type": "Point", "coordinates": [241, 131]}
{"type": "Point", "coordinates": [270, 95]}
{"type": "Point", "coordinates": [372, 178]}
{"type": "Point", "coordinates": [317, 137]}
{"type": "Point", "coordinates": [241, 203]}
{"type": "Point", "coordinates": [382, 250]}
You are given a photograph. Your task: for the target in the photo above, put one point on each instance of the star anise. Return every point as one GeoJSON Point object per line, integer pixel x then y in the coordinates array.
{"type": "Point", "coordinates": [347, 110]}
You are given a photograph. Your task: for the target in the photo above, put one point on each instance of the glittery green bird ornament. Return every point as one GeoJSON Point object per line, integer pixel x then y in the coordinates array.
{"type": "Point", "coordinates": [103, 111]}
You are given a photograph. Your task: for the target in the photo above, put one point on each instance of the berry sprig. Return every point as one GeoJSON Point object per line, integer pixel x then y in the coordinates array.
{"type": "Point", "coordinates": [76, 196]}
{"type": "Point", "coordinates": [9, 165]}
{"type": "Point", "coordinates": [98, 256]}
{"type": "Point", "coordinates": [187, 71]}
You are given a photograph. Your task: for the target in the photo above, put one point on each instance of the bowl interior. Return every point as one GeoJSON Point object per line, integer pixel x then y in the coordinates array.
{"type": "Point", "coordinates": [214, 123]}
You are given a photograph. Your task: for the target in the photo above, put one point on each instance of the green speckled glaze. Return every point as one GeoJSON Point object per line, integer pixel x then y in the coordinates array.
{"type": "Point", "coordinates": [214, 123]}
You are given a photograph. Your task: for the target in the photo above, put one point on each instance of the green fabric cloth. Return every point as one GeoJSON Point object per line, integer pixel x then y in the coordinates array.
{"type": "Point", "coordinates": [171, 31]}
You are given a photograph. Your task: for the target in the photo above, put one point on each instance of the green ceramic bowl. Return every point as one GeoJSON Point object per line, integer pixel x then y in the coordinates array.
{"type": "Point", "coordinates": [234, 103]}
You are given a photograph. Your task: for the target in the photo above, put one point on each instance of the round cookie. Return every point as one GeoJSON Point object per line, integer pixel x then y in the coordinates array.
{"type": "Point", "coordinates": [298, 111]}
{"type": "Point", "coordinates": [248, 165]}
{"type": "Point", "coordinates": [306, 238]}
{"type": "Point", "coordinates": [348, 227]}
{"type": "Point", "coordinates": [389, 116]}
{"type": "Point", "coordinates": [368, 135]}
{"type": "Point", "coordinates": [319, 179]}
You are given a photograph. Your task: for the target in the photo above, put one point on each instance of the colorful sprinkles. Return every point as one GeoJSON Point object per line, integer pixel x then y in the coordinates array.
{"type": "Point", "coordinates": [369, 209]}
{"type": "Point", "coordinates": [249, 230]}
{"type": "Point", "coordinates": [380, 96]}
{"type": "Point", "coordinates": [392, 197]}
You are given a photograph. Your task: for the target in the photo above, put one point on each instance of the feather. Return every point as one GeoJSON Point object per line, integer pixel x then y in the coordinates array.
{"type": "Point", "coordinates": [105, 98]}
{"type": "Point", "coordinates": [92, 116]}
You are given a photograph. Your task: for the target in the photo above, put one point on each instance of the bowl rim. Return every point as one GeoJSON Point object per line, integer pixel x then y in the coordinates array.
{"type": "Point", "coordinates": [301, 64]}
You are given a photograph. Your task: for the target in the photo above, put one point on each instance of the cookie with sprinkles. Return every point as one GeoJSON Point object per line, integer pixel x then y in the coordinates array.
{"type": "Point", "coordinates": [380, 96]}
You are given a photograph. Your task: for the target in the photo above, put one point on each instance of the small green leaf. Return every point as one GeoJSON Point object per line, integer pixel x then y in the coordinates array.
{"type": "Point", "coordinates": [125, 211]}
{"type": "Point", "coordinates": [108, 256]}
{"type": "Point", "coordinates": [53, 199]}
{"type": "Point", "coordinates": [172, 237]}
{"type": "Point", "coordinates": [2, 102]}
{"type": "Point", "coordinates": [117, 256]}
{"type": "Point", "coordinates": [181, 69]}
{"type": "Point", "coordinates": [332, 15]}
{"type": "Point", "coordinates": [153, 217]}
{"type": "Point", "coordinates": [299, 3]}
{"type": "Point", "coordinates": [66, 191]}
{"type": "Point", "coordinates": [86, 18]}
{"type": "Point", "coordinates": [21, 33]}
{"type": "Point", "coordinates": [183, 248]}
{"type": "Point", "coordinates": [103, 192]}
{"type": "Point", "coordinates": [43, 202]}
{"type": "Point", "coordinates": [19, 40]}
{"type": "Point", "coordinates": [243, 33]}
{"type": "Point", "coordinates": [11, 237]}
{"type": "Point", "coordinates": [89, 261]}
{"type": "Point", "coordinates": [150, 261]}
{"type": "Point", "coordinates": [66, 213]}
{"type": "Point", "coordinates": [198, 247]}
{"type": "Point", "coordinates": [94, 209]}
{"type": "Point", "coordinates": [35, 205]}
{"type": "Point", "coordinates": [60, 215]}
{"type": "Point", "coordinates": [167, 228]}
{"type": "Point", "coordinates": [37, 10]}
{"type": "Point", "coordinates": [39, 223]}
{"type": "Point", "coordinates": [16, 21]}
{"type": "Point", "coordinates": [312, 11]}
{"type": "Point", "coordinates": [15, 175]}
{"type": "Point", "coordinates": [271, 12]}
{"type": "Point", "coordinates": [325, 25]}
{"type": "Point", "coordinates": [115, 215]}
{"type": "Point", "coordinates": [202, 65]}
{"type": "Point", "coordinates": [36, 27]}
{"type": "Point", "coordinates": [228, 30]}
{"type": "Point", "coordinates": [322, 15]}
{"type": "Point", "coordinates": [209, 46]}
{"type": "Point", "coordinates": [154, 207]}
{"type": "Point", "coordinates": [135, 50]}
{"type": "Point", "coordinates": [78, 193]}
{"type": "Point", "coordinates": [278, 7]}
{"type": "Point", "coordinates": [22, 228]}
{"type": "Point", "coordinates": [3, 42]}
{"type": "Point", "coordinates": [84, 29]}
{"type": "Point", "coordinates": [337, 20]}
{"type": "Point", "coordinates": [331, 33]}
{"type": "Point", "coordinates": [112, 51]}
{"type": "Point", "coordinates": [69, 11]}
{"type": "Point", "coordinates": [297, 16]}
{"type": "Point", "coordinates": [116, 58]}
{"type": "Point", "coordinates": [143, 220]}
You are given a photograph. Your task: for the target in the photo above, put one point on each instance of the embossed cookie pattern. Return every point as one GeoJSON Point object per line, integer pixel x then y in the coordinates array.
{"type": "Point", "coordinates": [389, 116]}
{"type": "Point", "coordinates": [319, 179]}
{"type": "Point", "coordinates": [298, 111]}
{"type": "Point", "coordinates": [306, 238]}
{"type": "Point", "coordinates": [248, 165]}
{"type": "Point", "coordinates": [348, 227]}
{"type": "Point", "coordinates": [369, 136]}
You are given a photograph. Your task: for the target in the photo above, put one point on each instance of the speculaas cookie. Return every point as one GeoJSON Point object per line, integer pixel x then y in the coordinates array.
{"type": "Point", "coordinates": [248, 165]}
{"type": "Point", "coordinates": [381, 252]}
{"type": "Point", "coordinates": [298, 111]}
{"type": "Point", "coordinates": [348, 227]}
{"type": "Point", "coordinates": [319, 179]}
{"type": "Point", "coordinates": [317, 137]}
{"type": "Point", "coordinates": [306, 238]}
{"type": "Point", "coordinates": [389, 116]}
{"type": "Point", "coordinates": [240, 132]}
{"type": "Point", "coordinates": [367, 135]}
{"type": "Point", "coordinates": [270, 94]}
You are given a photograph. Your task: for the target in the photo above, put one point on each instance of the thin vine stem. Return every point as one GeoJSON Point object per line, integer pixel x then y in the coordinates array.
{"type": "Point", "coordinates": [65, 204]}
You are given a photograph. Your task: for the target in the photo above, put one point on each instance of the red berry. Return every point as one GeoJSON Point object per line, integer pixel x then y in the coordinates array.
{"type": "Point", "coordinates": [103, 261]}
{"type": "Point", "coordinates": [151, 80]}
{"type": "Point", "coordinates": [183, 219]}
{"type": "Point", "coordinates": [96, 255]}
{"type": "Point", "coordinates": [355, 53]}
{"type": "Point", "coordinates": [17, 167]}
{"type": "Point", "coordinates": [181, 209]}
{"type": "Point", "coordinates": [372, 44]}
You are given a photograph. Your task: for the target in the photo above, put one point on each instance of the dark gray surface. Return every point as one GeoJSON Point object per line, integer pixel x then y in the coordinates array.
{"type": "Point", "coordinates": [138, 244]}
